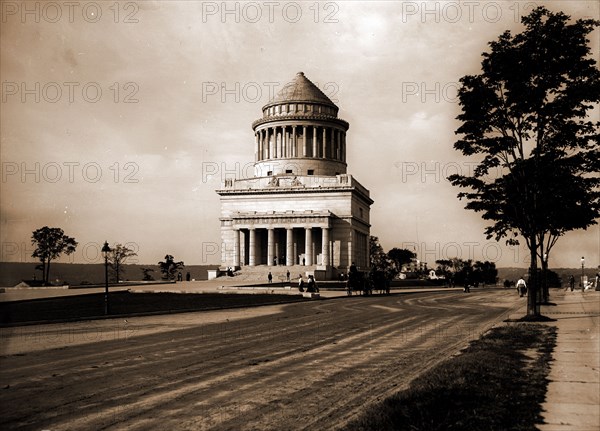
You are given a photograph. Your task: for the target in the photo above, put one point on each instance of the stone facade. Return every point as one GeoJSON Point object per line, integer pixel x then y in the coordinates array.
{"type": "Point", "coordinates": [301, 207]}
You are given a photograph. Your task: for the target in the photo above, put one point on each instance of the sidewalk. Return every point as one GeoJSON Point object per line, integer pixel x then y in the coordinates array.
{"type": "Point", "coordinates": [573, 395]}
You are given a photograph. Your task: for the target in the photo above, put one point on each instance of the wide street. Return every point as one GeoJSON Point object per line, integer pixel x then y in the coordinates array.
{"type": "Point", "coordinates": [310, 365]}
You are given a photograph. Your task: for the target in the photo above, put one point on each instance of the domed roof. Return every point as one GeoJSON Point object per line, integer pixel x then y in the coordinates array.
{"type": "Point", "coordinates": [300, 89]}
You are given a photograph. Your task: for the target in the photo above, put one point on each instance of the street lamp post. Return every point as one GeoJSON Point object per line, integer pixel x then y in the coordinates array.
{"type": "Point", "coordinates": [582, 276]}
{"type": "Point", "coordinates": [105, 252]}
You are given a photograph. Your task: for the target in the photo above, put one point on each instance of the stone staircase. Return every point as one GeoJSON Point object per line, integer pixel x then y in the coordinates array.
{"type": "Point", "coordinates": [259, 274]}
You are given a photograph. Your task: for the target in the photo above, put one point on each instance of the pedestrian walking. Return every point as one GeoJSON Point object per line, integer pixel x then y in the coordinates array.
{"type": "Point", "coordinates": [311, 285]}
{"type": "Point", "coordinates": [270, 277]}
{"type": "Point", "coordinates": [287, 275]}
{"type": "Point", "coordinates": [572, 282]}
{"type": "Point", "coordinates": [521, 287]}
{"type": "Point", "coordinates": [300, 283]}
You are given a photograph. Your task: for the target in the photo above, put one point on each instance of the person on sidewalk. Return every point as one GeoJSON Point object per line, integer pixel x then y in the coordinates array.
{"type": "Point", "coordinates": [521, 287]}
{"type": "Point", "coordinates": [270, 277]}
{"type": "Point", "coordinates": [312, 284]}
{"type": "Point", "coordinates": [300, 283]}
{"type": "Point", "coordinates": [572, 282]}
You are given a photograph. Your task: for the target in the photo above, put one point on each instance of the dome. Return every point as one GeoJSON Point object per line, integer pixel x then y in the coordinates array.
{"type": "Point", "coordinates": [300, 89]}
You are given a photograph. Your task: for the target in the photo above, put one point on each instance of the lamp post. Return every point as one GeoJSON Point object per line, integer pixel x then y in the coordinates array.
{"type": "Point", "coordinates": [582, 276]}
{"type": "Point", "coordinates": [105, 252]}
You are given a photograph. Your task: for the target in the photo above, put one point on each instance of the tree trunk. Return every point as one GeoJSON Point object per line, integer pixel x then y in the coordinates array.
{"type": "Point", "coordinates": [47, 276]}
{"type": "Point", "coordinates": [545, 290]}
{"type": "Point", "coordinates": [44, 272]}
{"type": "Point", "coordinates": [532, 288]}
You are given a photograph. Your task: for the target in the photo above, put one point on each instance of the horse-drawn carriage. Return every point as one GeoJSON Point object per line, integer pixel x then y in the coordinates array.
{"type": "Point", "coordinates": [364, 283]}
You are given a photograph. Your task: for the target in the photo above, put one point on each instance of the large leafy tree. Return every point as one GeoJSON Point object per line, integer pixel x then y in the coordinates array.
{"type": "Point", "coordinates": [50, 243]}
{"type": "Point", "coordinates": [526, 119]}
{"type": "Point", "coordinates": [169, 267]}
{"type": "Point", "coordinates": [117, 257]}
{"type": "Point", "coordinates": [378, 259]}
{"type": "Point", "coordinates": [400, 257]}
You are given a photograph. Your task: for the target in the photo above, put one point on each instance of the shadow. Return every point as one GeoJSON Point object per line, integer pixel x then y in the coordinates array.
{"type": "Point", "coordinates": [531, 319]}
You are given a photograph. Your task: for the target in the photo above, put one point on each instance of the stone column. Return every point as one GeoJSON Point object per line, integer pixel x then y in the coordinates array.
{"type": "Point", "coordinates": [279, 143]}
{"type": "Point", "coordinates": [260, 144]}
{"type": "Point", "coordinates": [236, 248]}
{"type": "Point", "coordinates": [343, 144]}
{"type": "Point", "coordinates": [270, 246]}
{"type": "Point", "coordinates": [325, 247]}
{"type": "Point", "coordinates": [289, 246]}
{"type": "Point", "coordinates": [351, 257]}
{"type": "Point", "coordinates": [252, 247]}
{"type": "Point", "coordinates": [367, 250]}
{"type": "Point", "coordinates": [294, 148]}
{"type": "Point", "coordinates": [270, 143]}
{"type": "Point", "coordinates": [314, 143]}
{"type": "Point", "coordinates": [304, 141]}
{"type": "Point", "coordinates": [308, 245]}
{"type": "Point", "coordinates": [284, 140]}
{"type": "Point", "coordinates": [334, 145]}
{"type": "Point", "coordinates": [324, 142]}
{"type": "Point", "coordinates": [256, 147]}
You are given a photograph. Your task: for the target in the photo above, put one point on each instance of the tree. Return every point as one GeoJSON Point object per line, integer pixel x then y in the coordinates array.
{"type": "Point", "coordinates": [147, 275]}
{"type": "Point", "coordinates": [169, 267]}
{"type": "Point", "coordinates": [400, 257]}
{"type": "Point", "coordinates": [50, 243]}
{"type": "Point", "coordinates": [526, 115]}
{"type": "Point", "coordinates": [379, 260]}
{"type": "Point", "coordinates": [485, 272]}
{"type": "Point", "coordinates": [117, 257]}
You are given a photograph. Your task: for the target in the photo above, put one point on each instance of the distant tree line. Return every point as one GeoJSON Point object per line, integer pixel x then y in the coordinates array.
{"type": "Point", "coordinates": [455, 270]}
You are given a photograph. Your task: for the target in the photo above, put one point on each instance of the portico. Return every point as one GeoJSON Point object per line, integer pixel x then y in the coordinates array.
{"type": "Point", "coordinates": [291, 239]}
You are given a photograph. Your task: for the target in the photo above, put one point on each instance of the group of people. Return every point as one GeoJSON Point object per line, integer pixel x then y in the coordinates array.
{"type": "Point", "coordinates": [311, 284]}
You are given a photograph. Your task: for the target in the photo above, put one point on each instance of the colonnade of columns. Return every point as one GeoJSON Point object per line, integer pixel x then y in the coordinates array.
{"type": "Point", "coordinates": [291, 248]}
{"type": "Point", "coordinates": [276, 142]}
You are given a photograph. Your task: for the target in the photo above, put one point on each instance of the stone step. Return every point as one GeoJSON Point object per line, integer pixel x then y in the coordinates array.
{"type": "Point", "coordinates": [279, 273]}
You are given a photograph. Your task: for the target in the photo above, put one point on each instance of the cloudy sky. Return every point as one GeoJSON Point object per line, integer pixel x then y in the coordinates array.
{"type": "Point", "coordinates": [120, 119]}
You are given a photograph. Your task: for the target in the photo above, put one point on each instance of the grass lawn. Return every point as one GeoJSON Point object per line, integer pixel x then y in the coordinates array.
{"type": "Point", "coordinates": [123, 303]}
{"type": "Point", "coordinates": [497, 383]}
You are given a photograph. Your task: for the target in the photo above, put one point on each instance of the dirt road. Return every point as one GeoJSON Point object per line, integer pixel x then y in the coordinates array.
{"type": "Point", "coordinates": [309, 366]}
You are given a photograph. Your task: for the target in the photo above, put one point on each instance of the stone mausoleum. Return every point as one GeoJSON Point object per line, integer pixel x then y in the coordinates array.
{"type": "Point", "coordinates": [301, 208]}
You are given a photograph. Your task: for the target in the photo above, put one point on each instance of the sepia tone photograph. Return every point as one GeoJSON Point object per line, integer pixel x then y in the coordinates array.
{"type": "Point", "coordinates": [300, 215]}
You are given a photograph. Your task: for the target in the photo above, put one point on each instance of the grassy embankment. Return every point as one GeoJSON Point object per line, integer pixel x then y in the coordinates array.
{"type": "Point", "coordinates": [497, 383]}
{"type": "Point", "coordinates": [79, 307]}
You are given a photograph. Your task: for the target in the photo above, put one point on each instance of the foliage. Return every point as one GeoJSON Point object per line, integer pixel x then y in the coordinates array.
{"type": "Point", "coordinates": [50, 243]}
{"type": "Point", "coordinates": [400, 257]}
{"type": "Point", "coordinates": [117, 257]}
{"type": "Point", "coordinates": [169, 267]}
{"type": "Point", "coordinates": [525, 116]}
{"type": "Point", "coordinates": [379, 260]}
{"type": "Point", "coordinates": [553, 279]}
{"type": "Point", "coordinates": [147, 275]}
{"type": "Point", "coordinates": [459, 271]}
{"type": "Point", "coordinates": [485, 272]}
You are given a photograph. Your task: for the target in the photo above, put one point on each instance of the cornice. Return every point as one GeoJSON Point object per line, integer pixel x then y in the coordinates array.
{"type": "Point", "coordinates": [277, 119]}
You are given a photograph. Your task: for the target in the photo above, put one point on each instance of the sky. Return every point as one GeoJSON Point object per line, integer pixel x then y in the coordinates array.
{"type": "Point", "coordinates": [119, 120]}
